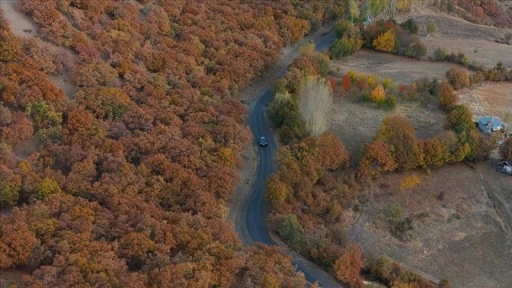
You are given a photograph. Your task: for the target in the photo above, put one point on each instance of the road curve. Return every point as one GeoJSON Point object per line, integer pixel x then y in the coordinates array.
{"type": "Point", "coordinates": [253, 226]}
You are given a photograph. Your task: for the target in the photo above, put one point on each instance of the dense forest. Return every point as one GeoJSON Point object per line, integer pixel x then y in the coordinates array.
{"type": "Point", "coordinates": [126, 183]}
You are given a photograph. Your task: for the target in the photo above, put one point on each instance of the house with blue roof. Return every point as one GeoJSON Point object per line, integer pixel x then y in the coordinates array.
{"type": "Point", "coordinates": [490, 125]}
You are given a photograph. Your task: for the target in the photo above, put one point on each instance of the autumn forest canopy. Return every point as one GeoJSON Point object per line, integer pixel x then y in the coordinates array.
{"type": "Point", "coordinates": [126, 182]}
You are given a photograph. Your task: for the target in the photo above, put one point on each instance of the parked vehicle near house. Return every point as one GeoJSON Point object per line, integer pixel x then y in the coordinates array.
{"type": "Point", "coordinates": [504, 167]}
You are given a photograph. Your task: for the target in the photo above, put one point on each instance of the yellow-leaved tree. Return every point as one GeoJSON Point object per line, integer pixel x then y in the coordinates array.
{"type": "Point", "coordinates": [378, 94]}
{"type": "Point", "coordinates": [385, 42]}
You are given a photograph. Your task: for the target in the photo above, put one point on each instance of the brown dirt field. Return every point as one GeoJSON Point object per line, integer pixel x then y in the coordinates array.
{"type": "Point", "coordinates": [396, 68]}
{"type": "Point", "coordinates": [455, 34]}
{"type": "Point", "coordinates": [463, 238]}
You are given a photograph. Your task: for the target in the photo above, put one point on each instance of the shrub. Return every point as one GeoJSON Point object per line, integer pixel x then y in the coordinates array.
{"type": "Point", "coordinates": [440, 54]}
{"type": "Point", "coordinates": [410, 26]}
{"type": "Point", "coordinates": [341, 48]}
{"type": "Point", "coordinates": [389, 103]}
{"type": "Point", "coordinates": [391, 274]}
{"type": "Point", "coordinates": [346, 83]}
{"type": "Point", "coordinates": [290, 230]}
{"type": "Point", "coordinates": [409, 182]}
{"type": "Point", "coordinates": [459, 116]}
{"type": "Point", "coordinates": [393, 212]}
{"type": "Point", "coordinates": [431, 27]}
{"type": "Point", "coordinates": [341, 27]}
{"type": "Point", "coordinates": [458, 77]}
{"type": "Point", "coordinates": [385, 42]}
{"type": "Point", "coordinates": [508, 37]}
{"type": "Point", "coordinates": [380, 268]}
{"type": "Point", "coordinates": [387, 82]}
{"type": "Point", "coordinates": [447, 98]}
{"type": "Point", "coordinates": [371, 80]}
{"type": "Point", "coordinates": [416, 49]}
{"type": "Point", "coordinates": [46, 187]}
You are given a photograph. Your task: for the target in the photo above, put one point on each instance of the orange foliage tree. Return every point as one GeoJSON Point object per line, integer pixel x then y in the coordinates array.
{"type": "Point", "coordinates": [349, 264]}
{"type": "Point", "coordinates": [399, 133]}
{"type": "Point", "coordinates": [447, 98]}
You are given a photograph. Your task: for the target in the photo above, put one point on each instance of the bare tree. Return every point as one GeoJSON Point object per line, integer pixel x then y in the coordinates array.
{"type": "Point", "coordinates": [315, 102]}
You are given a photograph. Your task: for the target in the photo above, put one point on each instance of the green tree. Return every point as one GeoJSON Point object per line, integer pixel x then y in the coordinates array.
{"type": "Point", "coordinates": [380, 268]}
{"type": "Point", "coordinates": [353, 9]}
{"type": "Point", "coordinates": [46, 187]}
{"type": "Point", "coordinates": [43, 115]}
{"type": "Point", "coordinates": [410, 25]}
{"type": "Point", "coordinates": [378, 94]}
{"type": "Point", "coordinates": [290, 230]}
{"type": "Point", "coordinates": [276, 190]}
{"type": "Point", "coordinates": [460, 117]}
{"type": "Point", "coordinates": [47, 121]}
{"type": "Point", "coordinates": [341, 48]}
{"type": "Point", "coordinates": [281, 108]}
{"type": "Point", "coordinates": [431, 27]}
{"type": "Point", "coordinates": [10, 185]}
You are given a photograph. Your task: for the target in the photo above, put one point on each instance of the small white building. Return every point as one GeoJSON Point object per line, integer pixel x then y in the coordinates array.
{"type": "Point", "coordinates": [490, 124]}
{"type": "Point", "coordinates": [504, 167]}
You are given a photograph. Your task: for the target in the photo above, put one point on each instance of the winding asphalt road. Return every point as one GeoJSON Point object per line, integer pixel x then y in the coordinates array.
{"type": "Point", "coordinates": [254, 225]}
